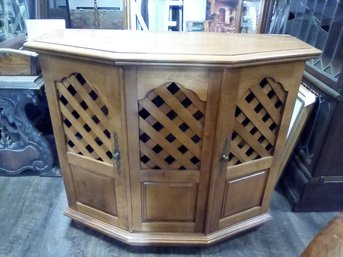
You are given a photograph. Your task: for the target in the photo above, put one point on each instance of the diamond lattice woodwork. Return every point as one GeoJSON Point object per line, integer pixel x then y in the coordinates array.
{"type": "Point", "coordinates": [171, 124]}
{"type": "Point", "coordinates": [257, 120]}
{"type": "Point", "coordinates": [85, 118]}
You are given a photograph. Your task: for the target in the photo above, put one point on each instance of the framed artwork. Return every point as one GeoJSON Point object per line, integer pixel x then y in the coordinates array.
{"type": "Point", "coordinates": [224, 16]}
{"type": "Point", "coordinates": [234, 16]}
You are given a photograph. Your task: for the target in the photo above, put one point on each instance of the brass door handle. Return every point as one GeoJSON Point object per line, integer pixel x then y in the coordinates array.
{"type": "Point", "coordinates": [225, 154]}
{"type": "Point", "coordinates": [116, 152]}
{"type": "Point", "coordinates": [225, 157]}
{"type": "Point", "coordinates": [116, 156]}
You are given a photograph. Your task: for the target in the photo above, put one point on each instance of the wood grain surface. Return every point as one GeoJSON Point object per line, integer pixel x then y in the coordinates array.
{"type": "Point", "coordinates": [178, 47]}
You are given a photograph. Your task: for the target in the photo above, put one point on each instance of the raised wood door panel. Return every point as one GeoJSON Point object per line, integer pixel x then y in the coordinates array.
{"type": "Point", "coordinates": [249, 139]}
{"type": "Point", "coordinates": [168, 121]}
{"type": "Point", "coordinates": [236, 198]}
{"type": "Point", "coordinates": [86, 103]}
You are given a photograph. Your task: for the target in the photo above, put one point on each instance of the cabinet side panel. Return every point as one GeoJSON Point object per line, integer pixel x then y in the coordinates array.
{"type": "Point", "coordinates": [251, 131]}
{"type": "Point", "coordinates": [130, 76]}
{"type": "Point", "coordinates": [290, 78]}
{"type": "Point", "coordinates": [257, 121]}
{"type": "Point", "coordinates": [56, 120]}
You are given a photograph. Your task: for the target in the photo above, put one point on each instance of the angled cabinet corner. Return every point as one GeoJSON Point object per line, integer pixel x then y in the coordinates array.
{"type": "Point", "coordinates": [254, 113]}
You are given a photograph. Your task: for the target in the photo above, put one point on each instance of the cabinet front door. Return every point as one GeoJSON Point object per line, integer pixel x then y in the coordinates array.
{"type": "Point", "coordinates": [255, 107]}
{"type": "Point", "coordinates": [171, 114]}
{"type": "Point", "coordinates": [85, 101]}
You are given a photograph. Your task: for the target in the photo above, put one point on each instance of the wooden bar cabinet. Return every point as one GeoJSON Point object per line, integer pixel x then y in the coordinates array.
{"type": "Point", "coordinates": [170, 138]}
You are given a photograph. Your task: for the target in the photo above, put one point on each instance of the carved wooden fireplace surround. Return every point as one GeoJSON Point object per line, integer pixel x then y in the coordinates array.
{"type": "Point", "coordinates": [170, 138]}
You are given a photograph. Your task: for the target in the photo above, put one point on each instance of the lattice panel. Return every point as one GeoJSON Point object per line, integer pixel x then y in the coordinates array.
{"type": "Point", "coordinates": [257, 120]}
{"type": "Point", "coordinates": [171, 121]}
{"type": "Point", "coordinates": [85, 118]}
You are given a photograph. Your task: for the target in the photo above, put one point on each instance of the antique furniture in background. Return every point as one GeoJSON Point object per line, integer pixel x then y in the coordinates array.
{"type": "Point", "coordinates": [18, 62]}
{"type": "Point", "coordinates": [22, 146]}
{"type": "Point", "coordinates": [169, 143]}
{"type": "Point", "coordinates": [313, 179]}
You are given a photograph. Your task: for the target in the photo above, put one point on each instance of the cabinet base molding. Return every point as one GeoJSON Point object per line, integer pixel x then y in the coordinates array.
{"type": "Point", "coordinates": [165, 239]}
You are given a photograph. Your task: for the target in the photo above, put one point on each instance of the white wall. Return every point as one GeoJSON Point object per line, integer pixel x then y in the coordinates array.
{"type": "Point", "coordinates": [194, 10]}
{"type": "Point", "coordinates": [156, 15]}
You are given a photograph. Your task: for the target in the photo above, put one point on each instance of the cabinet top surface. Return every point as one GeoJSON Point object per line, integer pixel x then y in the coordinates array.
{"type": "Point", "coordinates": [174, 47]}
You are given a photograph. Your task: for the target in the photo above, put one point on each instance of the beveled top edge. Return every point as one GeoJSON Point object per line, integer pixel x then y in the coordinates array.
{"type": "Point", "coordinates": [175, 47]}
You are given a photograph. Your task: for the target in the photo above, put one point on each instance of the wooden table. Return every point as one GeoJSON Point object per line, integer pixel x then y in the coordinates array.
{"type": "Point", "coordinates": [170, 138]}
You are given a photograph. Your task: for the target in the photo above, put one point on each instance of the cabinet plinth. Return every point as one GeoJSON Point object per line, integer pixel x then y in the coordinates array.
{"type": "Point", "coordinates": [170, 138]}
